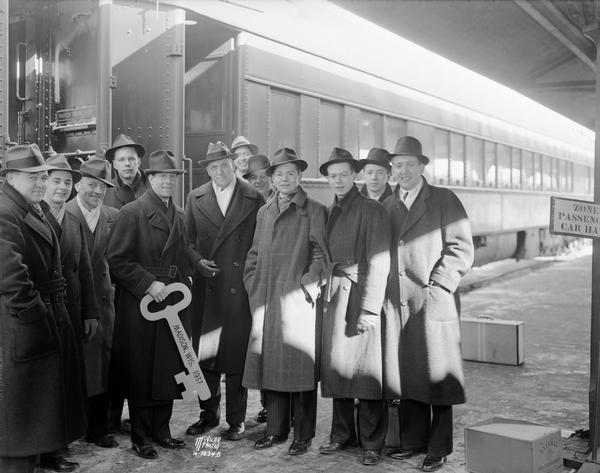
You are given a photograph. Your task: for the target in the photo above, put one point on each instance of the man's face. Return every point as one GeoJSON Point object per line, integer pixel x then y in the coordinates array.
{"type": "Point", "coordinates": [259, 180]}
{"type": "Point", "coordinates": [407, 171]}
{"type": "Point", "coordinates": [31, 185]}
{"type": "Point", "coordinates": [341, 178]}
{"type": "Point", "coordinates": [376, 177]}
{"type": "Point", "coordinates": [126, 162]}
{"type": "Point", "coordinates": [286, 178]}
{"type": "Point", "coordinates": [243, 154]}
{"type": "Point", "coordinates": [59, 186]}
{"type": "Point", "coordinates": [163, 183]}
{"type": "Point", "coordinates": [91, 192]}
{"type": "Point", "coordinates": [221, 172]}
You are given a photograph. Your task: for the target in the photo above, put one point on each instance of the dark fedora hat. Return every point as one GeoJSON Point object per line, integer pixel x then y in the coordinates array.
{"type": "Point", "coordinates": [59, 162]}
{"type": "Point", "coordinates": [286, 156]}
{"type": "Point", "coordinates": [243, 141]}
{"type": "Point", "coordinates": [97, 168]}
{"type": "Point", "coordinates": [409, 146]}
{"type": "Point", "coordinates": [256, 163]}
{"type": "Point", "coordinates": [23, 158]}
{"type": "Point", "coordinates": [339, 155]}
{"type": "Point", "coordinates": [378, 156]}
{"type": "Point", "coordinates": [162, 160]}
{"type": "Point", "coordinates": [120, 142]}
{"type": "Point", "coordinates": [216, 152]}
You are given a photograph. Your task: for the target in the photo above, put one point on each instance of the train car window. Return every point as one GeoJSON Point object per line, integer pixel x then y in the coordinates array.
{"type": "Point", "coordinates": [474, 162]}
{"type": "Point", "coordinates": [330, 128]}
{"type": "Point", "coordinates": [489, 164]}
{"type": "Point", "coordinates": [555, 175]}
{"type": "Point", "coordinates": [527, 170]}
{"type": "Point", "coordinates": [515, 167]}
{"type": "Point", "coordinates": [394, 129]}
{"type": "Point", "coordinates": [562, 175]}
{"type": "Point", "coordinates": [370, 133]}
{"type": "Point", "coordinates": [569, 176]}
{"type": "Point", "coordinates": [590, 180]}
{"type": "Point", "coordinates": [504, 177]}
{"type": "Point", "coordinates": [546, 172]}
{"type": "Point", "coordinates": [204, 98]}
{"type": "Point", "coordinates": [580, 178]}
{"type": "Point", "coordinates": [457, 159]}
{"type": "Point", "coordinates": [258, 115]}
{"type": "Point", "coordinates": [284, 120]}
{"type": "Point", "coordinates": [440, 156]}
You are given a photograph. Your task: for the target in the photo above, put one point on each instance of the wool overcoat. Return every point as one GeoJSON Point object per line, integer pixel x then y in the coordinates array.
{"type": "Point", "coordinates": [386, 193]}
{"type": "Point", "coordinates": [98, 350]}
{"type": "Point", "coordinates": [41, 387]}
{"type": "Point", "coordinates": [431, 242]}
{"type": "Point", "coordinates": [283, 275]}
{"type": "Point", "coordinates": [143, 247]}
{"type": "Point", "coordinates": [221, 317]}
{"type": "Point", "coordinates": [122, 194]}
{"type": "Point", "coordinates": [358, 238]}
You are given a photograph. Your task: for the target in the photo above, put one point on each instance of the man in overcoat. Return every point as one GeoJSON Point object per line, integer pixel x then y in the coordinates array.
{"type": "Point", "coordinates": [358, 238]}
{"type": "Point", "coordinates": [283, 276]}
{"type": "Point", "coordinates": [257, 175]}
{"type": "Point", "coordinates": [376, 172]}
{"type": "Point", "coordinates": [146, 252]}
{"type": "Point", "coordinates": [243, 150]}
{"type": "Point", "coordinates": [220, 217]}
{"type": "Point", "coordinates": [432, 249]}
{"type": "Point", "coordinates": [129, 182]}
{"type": "Point", "coordinates": [97, 220]}
{"type": "Point", "coordinates": [77, 271]}
{"type": "Point", "coordinates": [41, 380]}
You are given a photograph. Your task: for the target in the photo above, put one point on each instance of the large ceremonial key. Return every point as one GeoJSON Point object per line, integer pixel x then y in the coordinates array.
{"type": "Point", "coordinates": [193, 382]}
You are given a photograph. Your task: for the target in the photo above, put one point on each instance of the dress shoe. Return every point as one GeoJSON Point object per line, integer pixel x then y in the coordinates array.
{"type": "Point", "coordinates": [235, 432]}
{"type": "Point", "coordinates": [298, 447]}
{"type": "Point", "coordinates": [405, 453]}
{"type": "Point", "coordinates": [371, 457]}
{"type": "Point", "coordinates": [261, 416]}
{"type": "Point", "coordinates": [106, 441]}
{"type": "Point", "coordinates": [57, 463]}
{"type": "Point", "coordinates": [170, 443]}
{"type": "Point", "coordinates": [145, 451]}
{"type": "Point", "coordinates": [432, 463]}
{"type": "Point", "coordinates": [202, 426]}
{"type": "Point", "coordinates": [334, 447]}
{"type": "Point", "coordinates": [269, 440]}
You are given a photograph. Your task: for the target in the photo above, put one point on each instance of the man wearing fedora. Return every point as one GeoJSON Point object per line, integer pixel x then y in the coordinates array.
{"type": "Point", "coordinates": [220, 218]}
{"type": "Point", "coordinates": [376, 171]}
{"type": "Point", "coordinates": [146, 252]}
{"type": "Point", "coordinates": [97, 221]}
{"type": "Point", "coordinates": [358, 238]}
{"type": "Point", "coordinates": [243, 149]}
{"type": "Point", "coordinates": [41, 371]}
{"type": "Point", "coordinates": [257, 175]}
{"type": "Point", "coordinates": [77, 271]}
{"type": "Point", "coordinates": [283, 275]}
{"type": "Point", "coordinates": [129, 182]}
{"type": "Point", "coordinates": [431, 250]}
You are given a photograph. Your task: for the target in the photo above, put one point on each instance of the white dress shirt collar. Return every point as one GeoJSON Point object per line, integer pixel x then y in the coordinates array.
{"type": "Point", "coordinates": [224, 195]}
{"type": "Point", "coordinates": [411, 195]}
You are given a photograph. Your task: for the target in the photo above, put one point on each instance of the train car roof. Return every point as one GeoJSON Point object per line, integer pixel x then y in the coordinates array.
{"type": "Point", "coordinates": [325, 30]}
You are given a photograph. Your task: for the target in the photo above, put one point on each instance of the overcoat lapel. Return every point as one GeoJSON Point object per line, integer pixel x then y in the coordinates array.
{"type": "Point", "coordinates": [73, 209]}
{"type": "Point", "coordinates": [39, 227]}
{"type": "Point", "coordinates": [206, 203]}
{"type": "Point", "coordinates": [239, 208]}
{"type": "Point", "coordinates": [417, 210]}
{"type": "Point", "coordinates": [100, 238]}
{"type": "Point", "coordinates": [176, 231]}
{"type": "Point", "coordinates": [69, 230]}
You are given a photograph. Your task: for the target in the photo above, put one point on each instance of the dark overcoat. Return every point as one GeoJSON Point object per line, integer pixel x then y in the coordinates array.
{"type": "Point", "coordinates": [77, 271]}
{"type": "Point", "coordinates": [40, 377]}
{"type": "Point", "coordinates": [358, 238]}
{"type": "Point", "coordinates": [433, 242]}
{"type": "Point", "coordinates": [122, 194]}
{"type": "Point", "coordinates": [98, 350]}
{"type": "Point", "coordinates": [386, 193]}
{"type": "Point", "coordinates": [284, 271]}
{"type": "Point", "coordinates": [143, 246]}
{"type": "Point", "coordinates": [221, 316]}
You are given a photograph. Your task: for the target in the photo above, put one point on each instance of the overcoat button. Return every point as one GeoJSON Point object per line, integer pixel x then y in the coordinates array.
{"type": "Point", "coordinates": [402, 273]}
{"type": "Point", "coordinates": [401, 242]}
{"type": "Point", "coordinates": [402, 303]}
{"type": "Point", "coordinates": [236, 264]}
{"type": "Point", "coordinates": [345, 288]}
{"type": "Point", "coordinates": [232, 291]}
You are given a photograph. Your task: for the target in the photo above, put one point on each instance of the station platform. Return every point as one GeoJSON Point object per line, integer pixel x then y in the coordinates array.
{"type": "Point", "coordinates": [552, 298]}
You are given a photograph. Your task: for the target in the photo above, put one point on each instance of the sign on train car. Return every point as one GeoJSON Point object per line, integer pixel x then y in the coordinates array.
{"type": "Point", "coordinates": [574, 217]}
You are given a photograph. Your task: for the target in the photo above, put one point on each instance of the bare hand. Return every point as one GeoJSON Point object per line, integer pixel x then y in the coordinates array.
{"type": "Point", "coordinates": [209, 268]}
{"type": "Point", "coordinates": [89, 329]}
{"type": "Point", "coordinates": [158, 291]}
{"type": "Point", "coordinates": [366, 322]}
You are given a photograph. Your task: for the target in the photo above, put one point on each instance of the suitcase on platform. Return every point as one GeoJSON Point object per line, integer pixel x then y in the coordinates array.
{"type": "Point", "coordinates": [492, 340]}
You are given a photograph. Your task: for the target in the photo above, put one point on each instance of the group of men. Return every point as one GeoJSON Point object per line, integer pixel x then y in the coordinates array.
{"type": "Point", "coordinates": [360, 296]}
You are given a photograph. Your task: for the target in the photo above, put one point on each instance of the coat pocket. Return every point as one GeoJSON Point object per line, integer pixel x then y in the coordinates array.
{"type": "Point", "coordinates": [33, 335]}
{"type": "Point", "coordinates": [440, 305]}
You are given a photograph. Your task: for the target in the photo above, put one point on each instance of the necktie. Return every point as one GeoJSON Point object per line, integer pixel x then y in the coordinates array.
{"type": "Point", "coordinates": [404, 196]}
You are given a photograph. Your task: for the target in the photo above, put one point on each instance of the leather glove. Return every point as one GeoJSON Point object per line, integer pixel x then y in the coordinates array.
{"type": "Point", "coordinates": [366, 322]}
